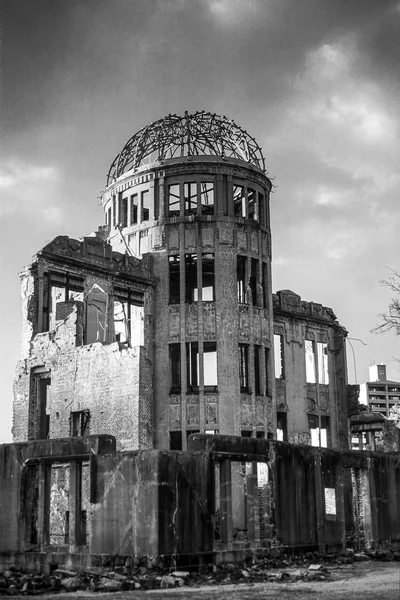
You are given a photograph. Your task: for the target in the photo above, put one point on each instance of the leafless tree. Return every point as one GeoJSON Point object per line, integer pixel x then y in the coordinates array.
{"type": "Point", "coordinates": [391, 318]}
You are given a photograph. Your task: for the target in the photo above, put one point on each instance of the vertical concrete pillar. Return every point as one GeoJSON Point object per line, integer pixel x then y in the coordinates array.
{"type": "Point", "coordinates": [319, 504]}
{"type": "Point", "coordinates": [152, 211]}
{"type": "Point", "coordinates": [253, 519]}
{"type": "Point", "coordinates": [128, 210]}
{"type": "Point", "coordinates": [117, 207]}
{"type": "Point", "coordinates": [370, 476]}
{"type": "Point", "coordinates": [340, 507]}
{"type": "Point", "coordinates": [229, 182]}
{"type": "Point", "coordinates": [393, 506]}
{"type": "Point", "coordinates": [44, 504]}
{"type": "Point", "coordinates": [225, 483]}
{"type": "Point", "coordinates": [371, 440]}
{"type": "Point", "coordinates": [40, 325]}
{"type": "Point", "coordinates": [75, 504]}
{"type": "Point", "coordinates": [182, 331]}
{"type": "Point", "coordinates": [218, 196]}
{"type": "Point", "coordinates": [161, 198]}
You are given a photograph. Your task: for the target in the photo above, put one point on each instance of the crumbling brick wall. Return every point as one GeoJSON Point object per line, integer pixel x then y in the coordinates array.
{"type": "Point", "coordinates": [104, 379]}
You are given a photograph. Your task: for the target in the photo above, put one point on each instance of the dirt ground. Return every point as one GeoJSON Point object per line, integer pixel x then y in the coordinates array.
{"type": "Point", "coordinates": [357, 581]}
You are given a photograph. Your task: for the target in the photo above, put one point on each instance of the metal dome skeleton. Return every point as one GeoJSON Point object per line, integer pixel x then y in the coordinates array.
{"type": "Point", "coordinates": [197, 134]}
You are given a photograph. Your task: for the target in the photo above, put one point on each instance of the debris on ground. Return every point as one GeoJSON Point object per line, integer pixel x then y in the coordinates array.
{"type": "Point", "coordinates": [271, 565]}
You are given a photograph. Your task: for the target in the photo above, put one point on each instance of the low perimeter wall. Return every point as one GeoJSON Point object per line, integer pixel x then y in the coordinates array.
{"type": "Point", "coordinates": [78, 503]}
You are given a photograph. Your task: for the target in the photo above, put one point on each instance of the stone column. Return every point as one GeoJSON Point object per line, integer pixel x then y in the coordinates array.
{"type": "Point", "coordinates": [225, 482]}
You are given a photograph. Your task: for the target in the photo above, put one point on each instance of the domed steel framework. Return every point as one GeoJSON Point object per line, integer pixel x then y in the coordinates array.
{"type": "Point", "coordinates": [197, 134]}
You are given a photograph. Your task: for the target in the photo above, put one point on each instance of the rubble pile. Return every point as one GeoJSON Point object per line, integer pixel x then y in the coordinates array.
{"type": "Point", "coordinates": [271, 565]}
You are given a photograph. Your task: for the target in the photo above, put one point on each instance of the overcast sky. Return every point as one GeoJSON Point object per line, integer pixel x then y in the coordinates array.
{"type": "Point", "coordinates": [316, 82]}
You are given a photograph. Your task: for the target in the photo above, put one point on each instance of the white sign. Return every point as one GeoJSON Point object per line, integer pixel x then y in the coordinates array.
{"type": "Point", "coordinates": [330, 501]}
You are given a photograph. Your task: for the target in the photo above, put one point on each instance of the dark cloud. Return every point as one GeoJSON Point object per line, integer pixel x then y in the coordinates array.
{"type": "Point", "coordinates": [316, 82]}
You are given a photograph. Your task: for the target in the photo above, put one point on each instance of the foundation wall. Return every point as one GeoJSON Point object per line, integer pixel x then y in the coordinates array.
{"type": "Point", "coordinates": [162, 505]}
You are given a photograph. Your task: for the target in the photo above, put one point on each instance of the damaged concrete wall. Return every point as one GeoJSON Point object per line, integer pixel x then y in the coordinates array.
{"type": "Point", "coordinates": [145, 504]}
{"type": "Point", "coordinates": [22, 506]}
{"type": "Point", "coordinates": [152, 503]}
{"type": "Point", "coordinates": [163, 504]}
{"type": "Point", "coordinates": [81, 370]}
{"type": "Point", "coordinates": [309, 333]}
{"type": "Point", "coordinates": [102, 379]}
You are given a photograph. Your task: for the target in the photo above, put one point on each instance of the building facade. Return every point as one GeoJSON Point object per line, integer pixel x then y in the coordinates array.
{"type": "Point", "coordinates": [379, 393]}
{"type": "Point", "coordinates": [164, 324]}
{"type": "Point", "coordinates": [311, 375]}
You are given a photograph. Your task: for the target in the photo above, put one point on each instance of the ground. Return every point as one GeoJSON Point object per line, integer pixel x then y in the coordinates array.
{"type": "Point", "coordinates": [357, 581]}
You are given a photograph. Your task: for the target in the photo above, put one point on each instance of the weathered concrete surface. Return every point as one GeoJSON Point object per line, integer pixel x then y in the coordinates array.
{"type": "Point", "coordinates": [152, 504]}
{"type": "Point", "coordinates": [86, 368]}
{"type": "Point", "coordinates": [13, 461]}
{"type": "Point", "coordinates": [296, 321]}
{"type": "Point", "coordinates": [162, 504]}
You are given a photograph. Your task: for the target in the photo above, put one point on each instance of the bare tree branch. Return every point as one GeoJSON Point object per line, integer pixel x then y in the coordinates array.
{"type": "Point", "coordinates": [391, 318]}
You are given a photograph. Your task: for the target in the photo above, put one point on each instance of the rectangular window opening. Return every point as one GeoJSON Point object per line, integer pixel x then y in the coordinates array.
{"type": "Point", "coordinates": [239, 201]}
{"type": "Point", "coordinates": [59, 287]}
{"type": "Point", "coordinates": [257, 370]}
{"type": "Point", "coordinates": [208, 277]}
{"type": "Point", "coordinates": [210, 367]}
{"type": "Point", "coordinates": [123, 216]}
{"type": "Point", "coordinates": [134, 209]}
{"type": "Point", "coordinates": [58, 517]}
{"type": "Point", "coordinates": [190, 197]}
{"type": "Point", "coordinates": [309, 346]}
{"type": "Point", "coordinates": [191, 290]}
{"type": "Point", "coordinates": [192, 367]}
{"type": "Point", "coordinates": [313, 425]}
{"type": "Point", "coordinates": [57, 294]}
{"type": "Point", "coordinates": [80, 423]}
{"type": "Point", "coordinates": [322, 353]}
{"type": "Point", "coordinates": [175, 440]}
{"type": "Point", "coordinates": [281, 427]}
{"type": "Point", "coordinates": [174, 279]}
{"type": "Point", "coordinates": [252, 204]}
{"type": "Point", "coordinates": [145, 199]}
{"type": "Point", "coordinates": [325, 432]}
{"type": "Point", "coordinates": [266, 364]}
{"type": "Point", "coordinates": [174, 200]}
{"type": "Point", "coordinates": [207, 198]}
{"type": "Point", "coordinates": [244, 368]}
{"type": "Point", "coordinates": [241, 281]}
{"type": "Point", "coordinates": [320, 435]}
{"type": "Point", "coordinates": [262, 209]}
{"type": "Point", "coordinates": [128, 323]}
{"type": "Point", "coordinates": [175, 368]}
{"type": "Point", "coordinates": [96, 322]}
{"type": "Point", "coordinates": [279, 356]}
{"type": "Point", "coordinates": [253, 280]}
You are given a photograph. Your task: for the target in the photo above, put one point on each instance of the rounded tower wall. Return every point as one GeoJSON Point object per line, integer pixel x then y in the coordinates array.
{"type": "Point", "coordinates": [205, 221]}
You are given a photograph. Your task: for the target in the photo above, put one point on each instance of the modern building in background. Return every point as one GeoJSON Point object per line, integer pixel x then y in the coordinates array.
{"type": "Point", "coordinates": [163, 322]}
{"type": "Point", "coordinates": [379, 393]}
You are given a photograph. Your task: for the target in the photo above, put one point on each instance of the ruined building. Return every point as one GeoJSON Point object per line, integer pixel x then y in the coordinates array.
{"type": "Point", "coordinates": [167, 403]}
{"type": "Point", "coordinates": [164, 324]}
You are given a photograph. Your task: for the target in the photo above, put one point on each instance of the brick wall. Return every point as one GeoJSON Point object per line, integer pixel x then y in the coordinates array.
{"type": "Point", "coordinates": [103, 379]}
